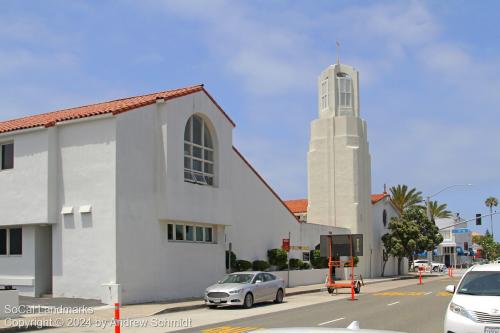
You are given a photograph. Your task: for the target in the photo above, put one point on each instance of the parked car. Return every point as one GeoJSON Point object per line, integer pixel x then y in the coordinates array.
{"type": "Point", "coordinates": [475, 305]}
{"type": "Point", "coordinates": [434, 266]}
{"type": "Point", "coordinates": [245, 289]}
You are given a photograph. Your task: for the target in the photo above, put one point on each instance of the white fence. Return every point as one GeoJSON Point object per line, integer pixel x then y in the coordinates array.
{"type": "Point", "coordinates": [303, 277]}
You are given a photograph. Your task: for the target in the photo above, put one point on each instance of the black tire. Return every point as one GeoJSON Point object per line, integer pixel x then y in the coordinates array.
{"type": "Point", "coordinates": [330, 290]}
{"type": "Point", "coordinates": [279, 296]}
{"type": "Point", "coordinates": [435, 269]}
{"type": "Point", "coordinates": [357, 289]}
{"type": "Point", "coordinates": [248, 301]}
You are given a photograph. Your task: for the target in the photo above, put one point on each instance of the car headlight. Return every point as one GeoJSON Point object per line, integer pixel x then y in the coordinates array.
{"type": "Point", "coordinates": [236, 291]}
{"type": "Point", "coordinates": [455, 308]}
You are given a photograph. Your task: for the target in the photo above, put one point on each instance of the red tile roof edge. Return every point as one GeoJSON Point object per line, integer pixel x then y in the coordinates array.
{"type": "Point", "coordinates": [264, 182]}
{"type": "Point", "coordinates": [50, 119]}
{"type": "Point", "coordinates": [300, 202]}
{"type": "Point", "coordinates": [297, 205]}
{"type": "Point", "coordinates": [378, 197]}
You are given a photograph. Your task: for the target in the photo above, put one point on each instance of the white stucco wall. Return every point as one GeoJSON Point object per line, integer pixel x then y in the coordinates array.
{"type": "Point", "coordinates": [23, 198]}
{"type": "Point", "coordinates": [84, 244]}
{"type": "Point", "coordinates": [378, 231]}
{"type": "Point", "coordinates": [151, 193]}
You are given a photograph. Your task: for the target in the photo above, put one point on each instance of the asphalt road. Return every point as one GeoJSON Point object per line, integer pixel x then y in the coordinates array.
{"type": "Point", "coordinates": [411, 309]}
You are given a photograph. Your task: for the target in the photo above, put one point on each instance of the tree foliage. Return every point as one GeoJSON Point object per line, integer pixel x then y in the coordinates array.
{"type": "Point", "coordinates": [411, 232]}
{"type": "Point", "coordinates": [489, 247]}
{"type": "Point", "coordinates": [404, 198]}
{"type": "Point", "coordinates": [491, 202]}
{"type": "Point", "coordinates": [439, 211]}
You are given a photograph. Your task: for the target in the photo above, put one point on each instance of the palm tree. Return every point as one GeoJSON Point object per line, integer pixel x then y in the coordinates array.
{"type": "Point", "coordinates": [403, 198]}
{"type": "Point", "coordinates": [439, 211]}
{"type": "Point", "coordinates": [490, 202]}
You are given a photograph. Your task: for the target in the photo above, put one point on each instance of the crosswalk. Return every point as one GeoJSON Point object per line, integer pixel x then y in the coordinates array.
{"type": "Point", "coordinates": [230, 329]}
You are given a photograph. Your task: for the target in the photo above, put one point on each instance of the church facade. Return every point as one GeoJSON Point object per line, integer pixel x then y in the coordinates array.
{"type": "Point", "coordinates": [138, 199]}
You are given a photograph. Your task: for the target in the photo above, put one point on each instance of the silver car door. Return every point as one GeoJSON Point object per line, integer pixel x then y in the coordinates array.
{"type": "Point", "coordinates": [271, 286]}
{"type": "Point", "coordinates": [259, 287]}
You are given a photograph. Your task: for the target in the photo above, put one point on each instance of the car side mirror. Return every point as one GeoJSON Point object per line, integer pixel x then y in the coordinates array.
{"type": "Point", "coordinates": [450, 288]}
{"type": "Point", "coordinates": [219, 282]}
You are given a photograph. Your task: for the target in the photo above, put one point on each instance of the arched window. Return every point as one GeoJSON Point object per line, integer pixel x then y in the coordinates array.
{"type": "Point", "coordinates": [198, 152]}
{"type": "Point", "coordinates": [344, 90]}
{"type": "Point", "coordinates": [384, 218]}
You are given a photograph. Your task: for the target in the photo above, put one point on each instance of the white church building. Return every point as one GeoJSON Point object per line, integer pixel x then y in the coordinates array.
{"type": "Point", "coordinates": [137, 199]}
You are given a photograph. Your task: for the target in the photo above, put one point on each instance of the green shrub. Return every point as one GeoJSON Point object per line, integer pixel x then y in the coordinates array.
{"type": "Point", "coordinates": [317, 261]}
{"type": "Point", "coordinates": [295, 263]}
{"type": "Point", "coordinates": [260, 265]}
{"type": "Point", "coordinates": [233, 259]}
{"type": "Point", "coordinates": [243, 265]}
{"type": "Point", "coordinates": [277, 257]}
{"type": "Point", "coordinates": [305, 265]}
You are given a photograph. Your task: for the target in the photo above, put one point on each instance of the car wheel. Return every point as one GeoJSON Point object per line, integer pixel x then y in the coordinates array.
{"type": "Point", "coordinates": [279, 296]}
{"type": "Point", "coordinates": [248, 301]}
{"type": "Point", "coordinates": [435, 269]}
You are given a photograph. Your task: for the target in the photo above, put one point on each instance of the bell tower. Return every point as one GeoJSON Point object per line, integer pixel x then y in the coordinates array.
{"type": "Point", "coordinates": [339, 162]}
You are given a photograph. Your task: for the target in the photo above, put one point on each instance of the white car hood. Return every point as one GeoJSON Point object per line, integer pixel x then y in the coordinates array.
{"type": "Point", "coordinates": [485, 304]}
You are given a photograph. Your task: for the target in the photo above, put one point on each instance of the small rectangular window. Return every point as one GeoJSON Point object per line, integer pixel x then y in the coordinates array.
{"type": "Point", "coordinates": [7, 158]}
{"type": "Point", "coordinates": [16, 241]}
{"type": "Point", "coordinates": [170, 231]}
{"type": "Point", "coordinates": [208, 235]}
{"type": "Point", "coordinates": [3, 241]}
{"type": "Point", "coordinates": [179, 232]}
{"type": "Point", "coordinates": [189, 233]}
{"type": "Point", "coordinates": [305, 256]}
{"type": "Point", "coordinates": [199, 234]}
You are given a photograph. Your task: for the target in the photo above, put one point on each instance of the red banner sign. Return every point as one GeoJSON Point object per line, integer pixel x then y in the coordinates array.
{"type": "Point", "coordinates": [285, 245]}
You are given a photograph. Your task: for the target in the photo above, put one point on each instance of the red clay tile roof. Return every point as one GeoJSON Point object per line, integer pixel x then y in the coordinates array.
{"type": "Point", "coordinates": [297, 206]}
{"type": "Point", "coordinates": [377, 197]}
{"type": "Point", "coordinates": [114, 107]}
{"type": "Point", "coordinates": [300, 205]}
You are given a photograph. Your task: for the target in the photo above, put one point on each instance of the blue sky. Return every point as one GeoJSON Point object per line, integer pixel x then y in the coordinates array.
{"type": "Point", "coordinates": [430, 76]}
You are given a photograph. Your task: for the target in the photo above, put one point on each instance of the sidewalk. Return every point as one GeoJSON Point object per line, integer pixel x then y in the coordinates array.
{"type": "Point", "coordinates": [151, 309]}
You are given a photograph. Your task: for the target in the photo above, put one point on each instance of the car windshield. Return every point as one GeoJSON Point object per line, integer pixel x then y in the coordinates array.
{"type": "Point", "coordinates": [481, 284]}
{"type": "Point", "coordinates": [238, 278]}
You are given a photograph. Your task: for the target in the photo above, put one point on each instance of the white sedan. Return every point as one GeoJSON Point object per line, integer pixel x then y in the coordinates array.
{"type": "Point", "coordinates": [475, 305]}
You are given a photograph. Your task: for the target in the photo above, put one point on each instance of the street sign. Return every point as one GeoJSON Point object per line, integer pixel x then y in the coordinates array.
{"type": "Point", "coordinates": [460, 231]}
{"type": "Point", "coordinates": [340, 245]}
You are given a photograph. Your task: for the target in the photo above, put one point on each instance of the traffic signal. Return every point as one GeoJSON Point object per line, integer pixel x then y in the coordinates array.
{"type": "Point", "coordinates": [478, 219]}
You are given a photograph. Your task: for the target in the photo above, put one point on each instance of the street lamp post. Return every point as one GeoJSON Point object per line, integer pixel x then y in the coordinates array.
{"type": "Point", "coordinates": [429, 213]}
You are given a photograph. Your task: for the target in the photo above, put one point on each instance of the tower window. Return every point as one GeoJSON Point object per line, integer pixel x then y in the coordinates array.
{"type": "Point", "coordinates": [198, 152]}
{"type": "Point", "coordinates": [345, 90]}
{"type": "Point", "coordinates": [324, 94]}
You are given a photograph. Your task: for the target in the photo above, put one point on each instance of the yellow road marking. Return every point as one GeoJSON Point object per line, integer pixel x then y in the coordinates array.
{"type": "Point", "coordinates": [398, 293]}
{"type": "Point", "coordinates": [230, 329]}
{"type": "Point", "coordinates": [444, 293]}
